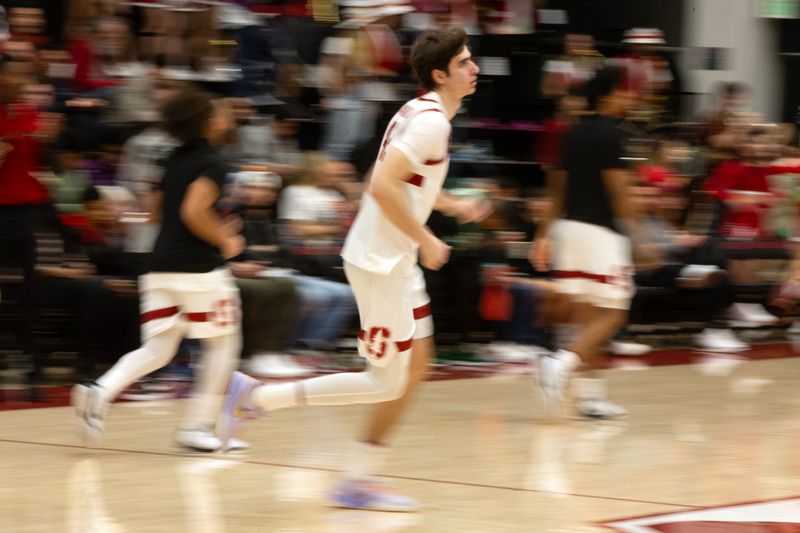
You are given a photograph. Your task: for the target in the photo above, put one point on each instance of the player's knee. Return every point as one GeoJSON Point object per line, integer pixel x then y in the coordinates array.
{"type": "Point", "coordinates": [391, 387]}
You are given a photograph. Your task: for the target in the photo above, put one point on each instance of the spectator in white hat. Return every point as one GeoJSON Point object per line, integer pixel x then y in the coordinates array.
{"type": "Point", "coordinates": [647, 73]}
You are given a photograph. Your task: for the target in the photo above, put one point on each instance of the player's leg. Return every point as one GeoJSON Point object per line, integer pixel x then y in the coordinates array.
{"type": "Point", "coordinates": [386, 415]}
{"type": "Point", "coordinates": [213, 311]}
{"type": "Point", "coordinates": [219, 359]}
{"type": "Point", "coordinates": [162, 329]}
{"type": "Point", "coordinates": [594, 263]}
{"type": "Point", "coordinates": [91, 401]}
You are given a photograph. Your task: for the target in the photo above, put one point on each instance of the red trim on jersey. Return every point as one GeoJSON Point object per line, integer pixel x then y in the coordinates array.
{"type": "Point", "coordinates": [431, 109]}
{"type": "Point", "coordinates": [155, 314]}
{"type": "Point", "coordinates": [422, 311]}
{"type": "Point", "coordinates": [415, 180]}
{"type": "Point", "coordinates": [404, 345]}
{"type": "Point", "coordinates": [576, 274]}
{"type": "Point", "coordinates": [421, 99]}
{"type": "Point", "coordinates": [431, 162]}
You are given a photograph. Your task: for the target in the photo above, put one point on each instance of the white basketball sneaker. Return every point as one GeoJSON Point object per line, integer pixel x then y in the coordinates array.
{"type": "Point", "coordinates": [369, 495]}
{"type": "Point", "coordinates": [90, 409]}
{"type": "Point", "coordinates": [600, 410]}
{"type": "Point", "coordinates": [205, 441]}
{"type": "Point", "coordinates": [554, 373]}
{"type": "Point", "coordinates": [237, 408]}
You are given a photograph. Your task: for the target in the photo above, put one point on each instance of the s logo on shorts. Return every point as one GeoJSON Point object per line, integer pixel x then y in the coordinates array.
{"type": "Point", "coordinates": [376, 341]}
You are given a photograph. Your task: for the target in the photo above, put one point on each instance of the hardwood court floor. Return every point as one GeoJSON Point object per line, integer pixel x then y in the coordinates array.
{"type": "Point", "coordinates": [477, 452]}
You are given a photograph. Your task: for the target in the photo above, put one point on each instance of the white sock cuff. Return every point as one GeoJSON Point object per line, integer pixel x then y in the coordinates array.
{"type": "Point", "coordinates": [570, 359]}
{"type": "Point", "coordinates": [590, 388]}
{"type": "Point", "coordinates": [366, 460]}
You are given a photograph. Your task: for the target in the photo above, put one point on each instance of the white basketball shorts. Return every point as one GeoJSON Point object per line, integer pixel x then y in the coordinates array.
{"type": "Point", "coordinates": [593, 264]}
{"type": "Point", "coordinates": [206, 304]}
{"type": "Point", "coordinates": [394, 309]}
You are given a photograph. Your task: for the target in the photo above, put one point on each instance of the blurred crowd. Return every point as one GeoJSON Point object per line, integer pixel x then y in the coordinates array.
{"type": "Point", "coordinates": [310, 87]}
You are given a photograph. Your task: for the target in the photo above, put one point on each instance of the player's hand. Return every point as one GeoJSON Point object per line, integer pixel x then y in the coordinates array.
{"type": "Point", "coordinates": [121, 286]}
{"type": "Point", "coordinates": [473, 210]}
{"type": "Point", "coordinates": [433, 253]}
{"type": "Point", "coordinates": [539, 255]}
{"type": "Point", "coordinates": [232, 246]}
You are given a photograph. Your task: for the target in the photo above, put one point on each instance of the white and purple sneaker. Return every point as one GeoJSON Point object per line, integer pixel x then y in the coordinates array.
{"type": "Point", "coordinates": [367, 495]}
{"type": "Point", "coordinates": [237, 408]}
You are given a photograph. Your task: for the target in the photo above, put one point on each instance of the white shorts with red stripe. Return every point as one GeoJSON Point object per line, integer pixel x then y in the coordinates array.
{"type": "Point", "coordinates": [593, 264]}
{"type": "Point", "coordinates": [206, 304]}
{"type": "Point", "coordinates": [394, 310]}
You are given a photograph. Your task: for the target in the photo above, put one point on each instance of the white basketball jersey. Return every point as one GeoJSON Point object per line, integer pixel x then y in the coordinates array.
{"type": "Point", "coordinates": [421, 130]}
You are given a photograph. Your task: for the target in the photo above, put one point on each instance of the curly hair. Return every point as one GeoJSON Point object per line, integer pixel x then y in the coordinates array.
{"type": "Point", "coordinates": [186, 114]}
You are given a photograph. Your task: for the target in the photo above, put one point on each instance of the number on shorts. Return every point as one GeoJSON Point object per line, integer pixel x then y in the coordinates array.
{"type": "Point", "coordinates": [376, 341]}
{"type": "Point", "coordinates": [225, 313]}
{"type": "Point", "coordinates": [622, 277]}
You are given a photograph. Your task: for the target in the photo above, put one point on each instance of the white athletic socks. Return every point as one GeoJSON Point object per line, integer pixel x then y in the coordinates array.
{"type": "Point", "coordinates": [365, 460]}
{"type": "Point", "coordinates": [278, 396]}
{"type": "Point", "coordinates": [590, 389]}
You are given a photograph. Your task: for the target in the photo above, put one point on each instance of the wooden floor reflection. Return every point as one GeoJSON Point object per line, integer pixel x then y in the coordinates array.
{"type": "Point", "coordinates": [476, 451]}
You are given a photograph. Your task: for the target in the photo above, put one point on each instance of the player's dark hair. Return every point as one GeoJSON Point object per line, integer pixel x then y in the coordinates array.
{"type": "Point", "coordinates": [605, 81]}
{"type": "Point", "coordinates": [186, 114]}
{"type": "Point", "coordinates": [433, 50]}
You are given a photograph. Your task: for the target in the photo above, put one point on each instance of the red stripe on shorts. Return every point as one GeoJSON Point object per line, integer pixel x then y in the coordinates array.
{"type": "Point", "coordinates": [577, 274]}
{"type": "Point", "coordinates": [422, 311]}
{"type": "Point", "coordinates": [416, 180]}
{"type": "Point", "coordinates": [158, 313]}
{"type": "Point", "coordinates": [404, 345]}
{"type": "Point", "coordinates": [199, 317]}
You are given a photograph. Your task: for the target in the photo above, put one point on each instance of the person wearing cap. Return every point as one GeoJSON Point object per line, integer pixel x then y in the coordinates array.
{"type": "Point", "coordinates": [647, 73]}
{"type": "Point", "coordinates": [576, 66]}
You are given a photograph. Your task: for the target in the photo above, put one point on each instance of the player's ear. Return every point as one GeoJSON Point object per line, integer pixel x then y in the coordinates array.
{"type": "Point", "coordinates": [439, 76]}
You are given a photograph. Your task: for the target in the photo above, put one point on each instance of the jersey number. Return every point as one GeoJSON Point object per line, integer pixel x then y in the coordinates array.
{"type": "Point", "coordinates": [225, 313]}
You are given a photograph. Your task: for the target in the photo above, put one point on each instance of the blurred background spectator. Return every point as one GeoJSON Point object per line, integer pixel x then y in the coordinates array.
{"type": "Point", "coordinates": [311, 86]}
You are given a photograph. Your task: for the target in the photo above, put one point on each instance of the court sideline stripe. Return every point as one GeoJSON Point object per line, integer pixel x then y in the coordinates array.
{"type": "Point", "coordinates": [323, 469]}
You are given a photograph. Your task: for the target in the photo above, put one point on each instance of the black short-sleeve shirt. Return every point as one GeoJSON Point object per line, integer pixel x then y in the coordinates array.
{"type": "Point", "coordinates": [593, 145]}
{"type": "Point", "coordinates": [177, 249]}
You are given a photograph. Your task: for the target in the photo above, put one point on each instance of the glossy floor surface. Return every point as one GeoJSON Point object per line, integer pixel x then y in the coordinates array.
{"type": "Point", "coordinates": [477, 452]}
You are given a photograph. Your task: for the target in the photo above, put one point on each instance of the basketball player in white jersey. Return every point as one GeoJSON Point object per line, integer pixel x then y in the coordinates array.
{"type": "Point", "coordinates": [188, 291]}
{"type": "Point", "coordinates": [380, 256]}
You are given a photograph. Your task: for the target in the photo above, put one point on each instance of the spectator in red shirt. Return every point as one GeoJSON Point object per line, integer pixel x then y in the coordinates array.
{"type": "Point", "coordinates": [743, 188]}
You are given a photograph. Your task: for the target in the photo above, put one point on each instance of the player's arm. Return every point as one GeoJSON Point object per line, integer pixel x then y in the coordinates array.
{"type": "Point", "coordinates": [152, 204]}
{"type": "Point", "coordinates": [617, 180]}
{"type": "Point", "coordinates": [539, 254]}
{"type": "Point", "coordinates": [556, 182]}
{"type": "Point", "coordinates": [618, 183]}
{"type": "Point", "coordinates": [199, 216]}
{"type": "Point", "coordinates": [464, 209]}
{"type": "Point", "coordinates": [387, 189]}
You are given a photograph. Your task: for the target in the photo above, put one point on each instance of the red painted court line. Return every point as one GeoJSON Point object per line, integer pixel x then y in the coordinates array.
{"type": "Point", "coordinates": [323, 469]}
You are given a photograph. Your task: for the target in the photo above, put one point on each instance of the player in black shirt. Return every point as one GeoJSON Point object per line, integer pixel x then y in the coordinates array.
{"type": "Point", "coordinates": [188, 291]}
{"type": "Point", "coordinates": [583, 238]}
